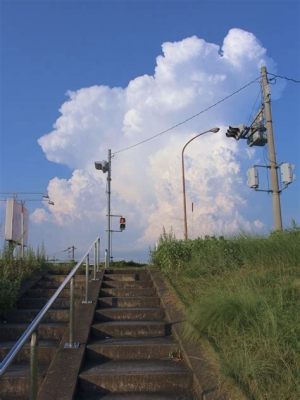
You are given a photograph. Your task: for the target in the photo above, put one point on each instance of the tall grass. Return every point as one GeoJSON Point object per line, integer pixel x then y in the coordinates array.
{"type": "Point", "coordinates": [13, 271]}
{"type": "Point", "coordinates": [243, 294]}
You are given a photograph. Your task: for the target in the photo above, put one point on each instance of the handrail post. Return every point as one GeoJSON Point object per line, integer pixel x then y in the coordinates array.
{"type": "Point", "coordinates": [33, 367]}
{"type": "Point", "coordinates": [71, 344]}
{"type": "Point", "coordinates": [98, 254]}
{"type": "Point", "coordinates": [87, 264]}
{"type": "Point", "coordinates": [106, 258]}
{"type": "Point", "coordinates": [95, 261]}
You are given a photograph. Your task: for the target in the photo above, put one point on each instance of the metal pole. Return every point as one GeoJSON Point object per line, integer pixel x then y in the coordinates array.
{"type": "Point", "coordinates": [22, 230]}
{"type": "Point", "coordinates": [214, 130]}
{"type": "Point", "coordinates": [71, 326]}
{"type": "Point", "coordinates": [98, 254]}
{"type": "Point", "coordinates": [33, 367]}
{"type": "Point", "coordinates": [184, 197]}
{"type": "Point", "coordinates": [108, 206]}
{"type": "Point", "coordinates": [87, 262]}
{"type": "Point", "coordinates": [95, 261]}
{"type": "Point", "coordinates": [271, 151]}
{"type": "Point", "coordinates": [71, 344]}
{"type": "Point", "coordinates": [105, 258]}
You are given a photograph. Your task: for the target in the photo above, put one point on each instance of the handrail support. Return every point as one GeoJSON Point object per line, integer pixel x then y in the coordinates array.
{"type": "Point", "coordinates": [33, 367]}
{"type": "Point", "coordinates": [71, 344]}
{"type": "Point", "coordinates": [87, 264]}
{"type": "Point", "coordinates": [95, 261]}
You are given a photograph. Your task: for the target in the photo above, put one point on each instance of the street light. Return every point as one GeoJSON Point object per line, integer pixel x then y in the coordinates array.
{"type": "Point", "coordinates": [214, 130]}
{"type": "Point", "coordinates": [105, 166]}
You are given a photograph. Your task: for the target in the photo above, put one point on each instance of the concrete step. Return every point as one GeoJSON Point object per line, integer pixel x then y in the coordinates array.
{"type": "Point", "coordinates": [47, 292]}
{"type": "Point", "coordinates": [121, 278]}
{"type": "Point", "coordinates": [127, 292]}
{"type": "Point", "coordinates": [132, 329]}
{"type": "Point", "coordinates": [28, 315]}
{"type": "Point", "coordinates": [136, 376]}
{"type": "Point", "coordinates": [148, 396]}
{"type": "Point", "coordinates": [126, 271]}
{"type": "Point", "coordinates": [38, 302]}
{"type": "Point", "coordinates": [126, 302]}
{"type": "Point", "coordinates": [58, 279]}
{"type": "Point", "coordinates": [131, 349]}
{"type": "Point", "coordinates": [136, 396]}
{"type": "Point", "coordinates": [13, 331]}
{"type": "Point", "coordinates": [125, 284]}
{"type": "Point", "coordinates": [126, 314]}
{"type": "Point", "coordinates": [14, 383]}
{"type": "Point", "coordinates": [46, 350]}
{"type": "Point", "coordinates": [50, 284]}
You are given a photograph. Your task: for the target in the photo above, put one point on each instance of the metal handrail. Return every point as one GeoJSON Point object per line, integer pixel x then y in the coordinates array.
{"type": "Point", "coordinates": [8, 359]}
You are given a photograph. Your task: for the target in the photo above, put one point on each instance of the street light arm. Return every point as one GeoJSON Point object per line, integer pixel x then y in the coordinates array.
{"type": "Point", "coordinates": [214, 130]}
{"type": "Point", "coordinates": [200, 134]}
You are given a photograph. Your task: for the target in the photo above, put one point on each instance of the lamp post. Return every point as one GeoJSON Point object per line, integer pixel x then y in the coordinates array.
{"type": "Point", "coordinates": [105, 166]}
{"type": "Point", "coordinates": [214, 130]}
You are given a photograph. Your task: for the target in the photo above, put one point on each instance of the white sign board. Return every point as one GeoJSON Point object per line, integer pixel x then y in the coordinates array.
{"type": "Point", "coordinates": [16, 222]}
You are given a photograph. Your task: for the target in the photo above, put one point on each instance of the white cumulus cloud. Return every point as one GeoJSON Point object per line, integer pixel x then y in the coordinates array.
{"type": "Point", "coordinates": [190, 75]}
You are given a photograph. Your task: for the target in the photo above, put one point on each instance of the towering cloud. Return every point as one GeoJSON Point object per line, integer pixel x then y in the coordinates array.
{"type": "Point", "coordinates": [190, 75]}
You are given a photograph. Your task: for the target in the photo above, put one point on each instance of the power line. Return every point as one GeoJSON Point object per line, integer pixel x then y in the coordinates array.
{"type": "Point", "coordinates": [254, 106]}
{"type": "Point", "coordinates": [284, 77]}
{"type": "Point", "coordinates": [187, 119]}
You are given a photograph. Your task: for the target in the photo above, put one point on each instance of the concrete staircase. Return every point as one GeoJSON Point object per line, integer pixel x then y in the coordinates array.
{"type": "Point", "coordinates": [131, 354]}
{"type": "Point", "coordinates": [15, 382]}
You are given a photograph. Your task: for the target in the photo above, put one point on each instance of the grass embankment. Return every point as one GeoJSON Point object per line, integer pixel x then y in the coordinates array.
{"type": "Point", "coordinates": [14, 271]}
{"type": "Point", "coordinates": [243, 294]}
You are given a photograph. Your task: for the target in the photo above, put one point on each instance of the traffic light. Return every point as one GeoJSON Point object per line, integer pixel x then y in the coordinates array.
{"type": "Point", "coordinates": [237, 132]}
{"type": "Point", "coordinates": [102, 165]}
{"type": "Point", "coordinates": [122, 223]}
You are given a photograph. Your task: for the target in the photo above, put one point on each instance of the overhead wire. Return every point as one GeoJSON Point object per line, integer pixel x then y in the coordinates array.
{"type": "Point", "coordinates": [187, 119]}
{"type": "Point", "coordinates": [254, 106]}
{"type": "Point", "coordinates": [284, 77]}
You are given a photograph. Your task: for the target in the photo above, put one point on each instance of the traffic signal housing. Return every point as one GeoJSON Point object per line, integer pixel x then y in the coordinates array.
{"type": "Point", "coordinates": [102, 166]}
{"type": "Point", "coordinates": [122, 223]}
{"type": "Point", "coordinates": [237, 132]}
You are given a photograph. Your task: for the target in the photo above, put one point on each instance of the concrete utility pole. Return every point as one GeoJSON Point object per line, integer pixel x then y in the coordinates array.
{"type": "Point", "coordinates": [108, 208]}
{"type": "Point", "coordinates": [271, 150]}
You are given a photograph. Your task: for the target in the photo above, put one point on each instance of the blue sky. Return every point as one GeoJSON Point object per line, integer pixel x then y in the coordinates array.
{"type": "Point", "coordinates": [50, 47]}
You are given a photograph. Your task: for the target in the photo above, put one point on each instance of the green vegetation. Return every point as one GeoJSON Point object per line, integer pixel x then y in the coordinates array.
{"type": "Point", "coordinates": [125, 264]}
{"type": "Point", "coordinates": [243, 294]}
{"type": "Point", "coordinates": [13, 271]}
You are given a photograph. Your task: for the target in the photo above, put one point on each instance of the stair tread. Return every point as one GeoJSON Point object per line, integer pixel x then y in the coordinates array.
{"type": "Point", "coordinates": [25, 324]}
{"type": "Point", "coordinates": [22, 370]}
{"type": "Point", "coordinates": [127, 297]}
{"type": "Point", "coordinates": [153, 341]}
{"type": "Point", "coordinates": [134, 367]}
{"type": "Point", "coordinates": [142, 396]}
{"type": "Point", "coordinates": [42, 343]}
{"type": "Point", "coordinates": [118, 309]}
{"type": "Point", "coordinates": [128, 322]}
